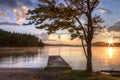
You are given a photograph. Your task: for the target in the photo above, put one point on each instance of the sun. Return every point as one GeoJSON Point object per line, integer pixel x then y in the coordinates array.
{"type": "Point", "coordinates": [110, 41]}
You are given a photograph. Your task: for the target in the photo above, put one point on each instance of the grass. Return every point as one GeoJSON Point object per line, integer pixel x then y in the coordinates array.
{"type": "Point", "coordinates": [58, 68]}
{"type": "Point", "coordinates": [72, 75]}
{"type": "Point", "coordinates": [103, 77]}
{"type": "Point", "coordinates": [84, 75]}
{"type": "Point", "coordinates": [75, 75]}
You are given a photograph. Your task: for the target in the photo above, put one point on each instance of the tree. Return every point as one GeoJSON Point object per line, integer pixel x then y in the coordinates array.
{"type": "Point", "coordinates": [52, 15]}
{"type": "Point", "coordinates": [8, 39]}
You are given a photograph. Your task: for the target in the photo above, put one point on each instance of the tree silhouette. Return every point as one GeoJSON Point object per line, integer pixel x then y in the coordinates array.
{"type": "Point", "coordinates": [8, 39]}
{"type": "Point", "coordinates": [52, 15]}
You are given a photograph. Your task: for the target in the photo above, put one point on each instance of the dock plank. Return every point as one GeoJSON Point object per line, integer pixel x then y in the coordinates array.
{"type": "Point", "coordinates": [57, 61]}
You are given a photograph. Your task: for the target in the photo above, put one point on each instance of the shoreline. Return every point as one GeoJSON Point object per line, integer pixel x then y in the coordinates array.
{"type": "Point", "coordinates": [18, 73]}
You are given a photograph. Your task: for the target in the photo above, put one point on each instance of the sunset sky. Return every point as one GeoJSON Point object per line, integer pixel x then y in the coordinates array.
{"type": "Point", "coordinates": [12, 15]}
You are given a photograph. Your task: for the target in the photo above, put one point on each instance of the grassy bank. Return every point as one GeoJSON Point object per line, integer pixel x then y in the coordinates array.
{"type": "Point", "coordinates": [84, 75]}
{"type": "Point", "coordinates": [73, 75]}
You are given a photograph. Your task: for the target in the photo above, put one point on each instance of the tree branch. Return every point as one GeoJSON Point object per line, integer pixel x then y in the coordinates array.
{"type": "Point", "coordinates": [84, 47]}
{"type": "Point", "coordinates": [78, 31]}
{"type": "Point", "coordinates": [93, 6]}
{"type": "Point", "coordinates": [84, 31]}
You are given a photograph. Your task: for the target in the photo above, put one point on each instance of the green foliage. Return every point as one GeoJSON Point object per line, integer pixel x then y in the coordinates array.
{"type": "Point", "coordinates": [72, 75]}
{"type": "Point", "coordinates": [84, 75]}
{"type": "Point", "coordinates": [76, 75]}
{"type": "Point", "coordinates": [103, 77]}
{"type": "Point", "coordinates": [40, 44]}
{"type": "Point", "coordinates": [8, 39]}
{"type": "Point", "coordinates": [53, 15]}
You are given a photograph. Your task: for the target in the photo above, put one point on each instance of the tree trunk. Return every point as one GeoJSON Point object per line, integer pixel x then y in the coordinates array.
{"type": "Point", "coordinates": [89, 37]}
{"type": "Point", "coordinates": [89, 58]}
{"type": "Point", "coordinates": [89, 53]}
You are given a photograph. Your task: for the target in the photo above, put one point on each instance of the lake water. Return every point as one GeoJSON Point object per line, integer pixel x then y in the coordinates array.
{"type": "Point", "coordinates": [104, 58]}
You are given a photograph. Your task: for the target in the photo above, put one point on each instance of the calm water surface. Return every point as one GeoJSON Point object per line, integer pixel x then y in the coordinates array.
{"type": "Point", "coordinates": [107, 58]}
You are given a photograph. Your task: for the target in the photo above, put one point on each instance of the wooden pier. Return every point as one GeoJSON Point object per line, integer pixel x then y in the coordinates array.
{"type": "Point", "coordinates": [57, 62]}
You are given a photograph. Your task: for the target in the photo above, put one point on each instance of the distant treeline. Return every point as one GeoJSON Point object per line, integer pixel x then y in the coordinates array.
{"type": "Point", "coordinates": [8, 39]}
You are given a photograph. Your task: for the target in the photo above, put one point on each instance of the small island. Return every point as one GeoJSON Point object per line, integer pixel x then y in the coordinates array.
{"type": "Point", "coordinates": [105, 44]}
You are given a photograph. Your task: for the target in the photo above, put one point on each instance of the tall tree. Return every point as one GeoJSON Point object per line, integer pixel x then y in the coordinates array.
{"type": "Point", "coordinates": [53, 15]}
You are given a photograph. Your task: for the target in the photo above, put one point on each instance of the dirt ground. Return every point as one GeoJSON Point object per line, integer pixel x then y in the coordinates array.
{"type": "Point", "coordinates": [18, 73]}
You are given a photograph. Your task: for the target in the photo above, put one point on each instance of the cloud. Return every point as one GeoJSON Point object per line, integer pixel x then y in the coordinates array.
{"type": "Point", "coordinates": [9, 3]}
{"type": "Point", "coordinates": [115, 27]}
{"type": "Point", "coordinates": [3, 15]}
{"type": "Point", "coordinates": [9, 24]}
{"type": "Point", "coordinates": [43, 36]}
{"type": "Point", "coordinates": [15, 3]}
{"type": "Point", "coordinates": [11, 29]}
{"type": "Point", "coordinates": [20, 13]}
{"type": "Point", "coordinates": [104, 11]}
{"type": "Point", "coordinates": [14, 10]}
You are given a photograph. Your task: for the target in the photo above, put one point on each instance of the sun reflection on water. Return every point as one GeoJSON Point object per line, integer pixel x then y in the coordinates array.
{"type": "Point", "coordinates": [110, 52]}
{"type": "Point", "coordinates": [110, 49]}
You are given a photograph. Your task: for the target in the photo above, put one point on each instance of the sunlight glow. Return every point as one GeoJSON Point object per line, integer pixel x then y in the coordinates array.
{"type": "Point", "coordinates": [110, 52]}
{"type": "Point", "coordinates": [110, 41]}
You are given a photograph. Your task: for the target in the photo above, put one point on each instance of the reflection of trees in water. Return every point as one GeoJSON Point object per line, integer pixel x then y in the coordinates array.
{"type": "Point", "coordinates": [18, 53]}
{"type": "Point", "coordinates": [19, 57]}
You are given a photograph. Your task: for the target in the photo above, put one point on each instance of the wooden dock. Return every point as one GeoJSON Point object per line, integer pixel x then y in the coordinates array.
{"type": "Point", "coordinates": [57, 62]}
